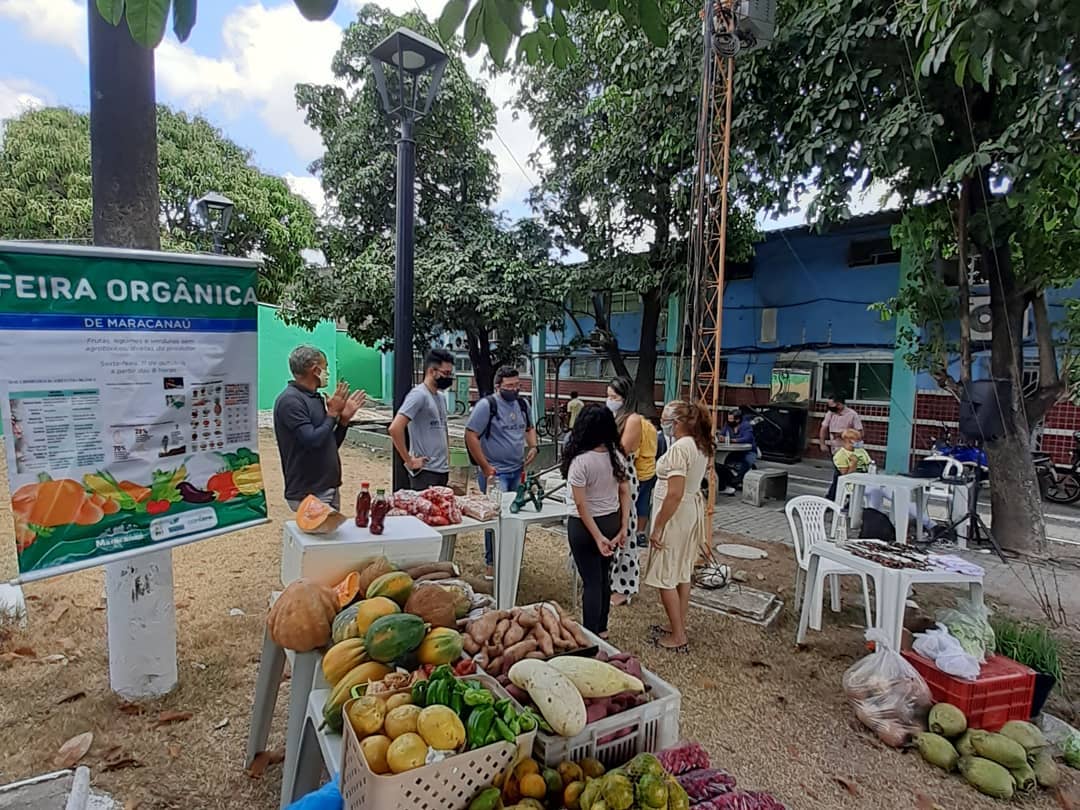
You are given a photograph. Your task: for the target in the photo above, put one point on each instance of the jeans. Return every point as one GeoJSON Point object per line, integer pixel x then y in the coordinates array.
{"type": "Point", "coordinates": [508, 482]}
{"type": "Point", "coordinates": [330, 496]}
{"type": "Point", "coordinates": [594, 568]}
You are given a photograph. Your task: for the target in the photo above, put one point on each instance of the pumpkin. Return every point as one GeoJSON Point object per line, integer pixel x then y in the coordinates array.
{"type": "Point", "coordinates": [345, 624]}
{"type": "Point", "coordinates": [391, 637]}
{"type": "Point", "coordinates": [348, 589]}
{"type": "Point", "coordinates": [316, 517]}
{"type": "Point", "coordinates": [372, 571]}
{"type": "Point", "coordinates": [367, 672]}
{"type": "Point", "coordinates": [302, 617]}
{"type": "Point", "coordinates": [441, 646]}
{"type": "Point", "coordinates": [371, 609]}
{"type": "Point", "coordinates": [342, 658]}
{"type": "Point", "coordinates": [434, 605]}
{"type": "Point", "coordinates": [396, 585]}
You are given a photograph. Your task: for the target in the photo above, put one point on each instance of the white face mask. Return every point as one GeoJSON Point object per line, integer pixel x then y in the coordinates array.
{"type": "Point", "coordinates": [323, 376]}
{"type": "Point", "coordinates": [613, 405]}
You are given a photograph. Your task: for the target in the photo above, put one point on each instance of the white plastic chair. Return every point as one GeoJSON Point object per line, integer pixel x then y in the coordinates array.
{"type": "Point", "coordinates": [812, 513]}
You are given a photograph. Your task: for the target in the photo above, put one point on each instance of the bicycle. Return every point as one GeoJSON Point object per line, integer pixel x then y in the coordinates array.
{"type": "Point", "coordinates": [553, 424]}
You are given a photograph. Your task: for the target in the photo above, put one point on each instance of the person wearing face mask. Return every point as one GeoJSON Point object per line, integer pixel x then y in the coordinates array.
{"type": "Point", "coordinates": [638, 441]}
{"type": "Point", "coordinates": [738, 429]}
{"type": "Point", "coordinates": [310, 428]}
{"type": "Point", "coordinates": [422, 418]}
{"type": "Point", "coordinates": [838, 418]}
{"type": "Point", "coordinates": [501, 441]}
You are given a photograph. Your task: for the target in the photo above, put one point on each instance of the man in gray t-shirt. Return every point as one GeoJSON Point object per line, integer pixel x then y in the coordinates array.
{"type": "Point", "coordinates": [422, 417]}
{"type": "Point", "coordinates": [501, 440]}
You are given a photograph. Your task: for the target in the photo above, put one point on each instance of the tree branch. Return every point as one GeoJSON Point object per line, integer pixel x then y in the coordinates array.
{"type": "Point", "coordinates": [963, 287]}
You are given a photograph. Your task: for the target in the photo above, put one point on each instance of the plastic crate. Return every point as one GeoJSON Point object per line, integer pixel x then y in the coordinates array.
{"type": "Point", "coordinates": [655, 726]}
{"type": "Point", "coordinates": [447, 785]}
{"type": "Point", "coordinates": [1002, 692]}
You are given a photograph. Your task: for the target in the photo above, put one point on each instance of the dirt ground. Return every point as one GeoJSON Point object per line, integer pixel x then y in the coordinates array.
{"type": "Point", "coordinates": [771, 714]}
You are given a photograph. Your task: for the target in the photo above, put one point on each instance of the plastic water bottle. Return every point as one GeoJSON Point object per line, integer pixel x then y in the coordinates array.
{"type": "Point", "coordinates": [841, 528]}
{"type": "Point", "coordinates": [872, 469]}
{"type": "Point", "coordinates": [494, 489]}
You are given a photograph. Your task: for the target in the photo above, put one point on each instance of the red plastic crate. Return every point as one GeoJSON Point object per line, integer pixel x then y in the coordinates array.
{"type": "Point", "coordinates": [1002, 692]}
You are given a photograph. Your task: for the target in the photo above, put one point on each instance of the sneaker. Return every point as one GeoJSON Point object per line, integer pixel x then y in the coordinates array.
{"type": "Point", "coordinates": [489, 574]}
{"type": "Point", "coordinates": [727, 491]}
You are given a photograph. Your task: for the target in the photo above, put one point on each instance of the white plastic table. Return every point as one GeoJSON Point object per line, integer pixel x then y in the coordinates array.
{"type": "Point", "coordinates": [891, 587]}
{"type": "Point", "coordinates": [316, 749]}
{"type": "Point", "coordinates": [723, 450]}
{"type": "Point", "coordinates": [904, 491]}
{"type": "Point", "coordinates": [511, 546]}
{"type": "Point", "coordinates": [450, 534]}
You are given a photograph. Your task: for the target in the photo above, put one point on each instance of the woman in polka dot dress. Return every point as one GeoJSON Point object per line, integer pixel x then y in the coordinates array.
{"type": "Point", "coordinates": [626, 569]}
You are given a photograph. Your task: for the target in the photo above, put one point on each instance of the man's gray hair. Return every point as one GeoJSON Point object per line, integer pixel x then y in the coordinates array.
{"type": "Point", "coordinates": [302, 358]}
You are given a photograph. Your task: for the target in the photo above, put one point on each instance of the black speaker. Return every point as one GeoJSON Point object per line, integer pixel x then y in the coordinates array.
{"type": "Point", "coordinates": [981, 409]}
{"type": "Point", "coordinates": [780, 432]}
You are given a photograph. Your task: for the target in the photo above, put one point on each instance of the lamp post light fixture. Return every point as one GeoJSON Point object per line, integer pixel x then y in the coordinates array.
{"type": "Point", "coordinates": [408, 69]}
{"type": "Point", "coordinates": [216, 211]}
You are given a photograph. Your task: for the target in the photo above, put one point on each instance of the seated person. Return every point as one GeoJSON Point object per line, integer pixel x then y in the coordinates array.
{"type": "Point", "coordinates": [739, 429]}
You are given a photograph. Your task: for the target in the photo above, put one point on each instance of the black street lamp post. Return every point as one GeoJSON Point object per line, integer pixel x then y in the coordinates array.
{"type": "Point", "coordinates": [412, 61]}
{"type": "Point", "coordinates": [216, 211]}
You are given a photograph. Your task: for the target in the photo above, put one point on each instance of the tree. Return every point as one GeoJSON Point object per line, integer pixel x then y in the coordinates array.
{"type": "Point", "coordinates": [619, 125]}
{"type": "Point", "coordinates": [45, 190]}
{"type": "Point", "coordinates": [473, 273]}
{"type": "Point", "coordinates": [951, 99]}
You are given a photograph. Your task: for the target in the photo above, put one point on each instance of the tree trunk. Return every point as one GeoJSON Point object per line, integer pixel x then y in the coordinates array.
{"type": "Point", "coordinates": [645, 384]}
{"type": "Point", "coordinates": [483, 367]}
{"type": "Point", "coordinates": [610, 342]}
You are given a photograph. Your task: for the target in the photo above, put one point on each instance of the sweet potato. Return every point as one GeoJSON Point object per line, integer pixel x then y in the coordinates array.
{"type": "Point", "coordinates": [482, 628]}
{"type": "Point", "coordinates": [423, 569]}
{"type": "Point", "coordinates": [511, 655]}
{"type": "Point", "coordinates": [528, 618]}
{"type": "Point", "coordinates": [434, 576]}
{"type": "Point", "coordinates": [596, 710]}
{"type": "Point", "coordinates": [573, 629]}
{"type": "Point", "coordinates": [549, 621]}
{"type": "Point", "coordinates": [535, 654]}
{"type": "Point", "coordinates": [481, 660]}
{"type": "Point", "coordinates": [518, 694]}
{"type": "Point", "coordinates": [543, 638]}
{"type": "Point", "coordinates": [496, 666]}
{"type": "Point", "coordinates": [500, 631]}
{"type": "Point", "coordinates": [514, 633]}
{"type": "Point", "coordinates": [563, 643]}
{"type": "Point", "coordinates": [471, 647]}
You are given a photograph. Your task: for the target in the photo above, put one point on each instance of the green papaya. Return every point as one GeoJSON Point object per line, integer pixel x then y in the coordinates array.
{"type": "Point", "coordinates": [936, 750]}
{"type": "Point", "coordinates": [947, 720]}
{"type": "Point", "coordinates": [999, 748]}
{"type": "Point", "coordinates": [987, 777]}
{"type": "Point", "coordinates": [963, 745]}
{"type": "Point", "coordinates": [391, 638]}
{"type": "Point", "coordinates": [1024, 778]}
{"type": "Point", "coordinates": [1027, 734]}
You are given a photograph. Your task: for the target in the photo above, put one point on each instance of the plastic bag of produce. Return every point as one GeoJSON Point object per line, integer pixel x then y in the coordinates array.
{"type": "Point", "coordinates": [970, 625]}
{"type": "Point", "coordinates": [941, 647]}
{"type": "Point", "coordinates": [683, 757]}
{"type": "Point", "coordinates": [888, 695]}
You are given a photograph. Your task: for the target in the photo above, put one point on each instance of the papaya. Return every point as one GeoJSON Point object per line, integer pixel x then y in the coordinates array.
{"type": "Point", "coordinates": [396, 585]}
{"type": "Point", "coordinates": [391, 637]}
{"type": "Point", "coordinates": [342, 658]}
{"type": "Point", "coordinates": [372, 609]}
{"type": "Point", "coordinates": [440, 646]}
{"type": "Point", "coordinates": [344, 625]}
{"type": "Point", "coordinates": [365, 673]}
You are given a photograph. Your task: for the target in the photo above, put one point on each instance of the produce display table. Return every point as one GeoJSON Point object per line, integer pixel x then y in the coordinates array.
{"type": "Point", "coordinates": [511, 546]}
{"type": "Point", "coordinates": [903, 490]}
{"type": "Point", "coordinates": [891, 587]}
{"type": "Point", "coordinates": [329, 557]}
{"type": "Point", "coordinates": [315, 750]}
{"type": "Point", "coordinates": [450, 534]}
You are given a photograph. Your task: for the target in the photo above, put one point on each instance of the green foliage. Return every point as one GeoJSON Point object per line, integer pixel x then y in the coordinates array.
{"type": "Point", "coordinates": [45, 190]}
{"type": "Point", "coordinates": [1029, 644]}
{"type": "Point", "coordinates": [473, 273]}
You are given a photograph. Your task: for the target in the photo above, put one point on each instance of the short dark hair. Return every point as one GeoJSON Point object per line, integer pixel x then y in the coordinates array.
{"type": "Point", "coordinates": [839, 398]}
{"type": "Point", "coordinates": [504, 373]}
{"type": "Point", "coordinates": [436, 357]}
{"type": "Point", "coordinates": [573, 395]}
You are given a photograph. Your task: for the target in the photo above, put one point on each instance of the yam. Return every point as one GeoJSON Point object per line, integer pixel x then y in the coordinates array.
{"type": "Point", "coordinates": [500, 631]}
{"type": "Point", "coordinates": [528, 618]}
{"type": "Point", "coordinates": [543, 638]}
{"type": "Point", "coordinates": [482, 628]}
{"type": "Point", "coordinates": [574, 629]}
{"type": "Point", "coordinates": [471, 647]}
{"type": "Point", "coordinates": [511, 655]}
{"type": "Point", "coordinates": [535, 655]}
{"type": "Point", "coordinates": [423, 569]}
{"type": "Point", "coordinates": [514, 633]}
{"type": "Point", "coordinates": [496, 666]}
{"type": "Point", "coordinates": [434, 576]}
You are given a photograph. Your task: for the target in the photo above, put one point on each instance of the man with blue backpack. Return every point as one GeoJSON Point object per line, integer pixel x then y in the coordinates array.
{"type": "Point", "coordinates": [501, 440]}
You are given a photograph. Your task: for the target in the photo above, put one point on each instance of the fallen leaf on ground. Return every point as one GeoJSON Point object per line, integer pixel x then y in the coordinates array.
{"type": "Point", "coordinates": [924, 802]}
{"type": "Point", "coordinates": [181, 605]}
{"type": "Point", "coordinates": [847, 784]}
{"type": "Point", "coordinates": [130, 708]}
{"type": "Point", "coordinates": [55, 658]}
{"type": "Point", "coordinates": [113, 753]}
{"type": "Point", "coordinates": [709, 683]}
{"type": "Point", "coordinates": [121, 763]}
{"type": "Point", "coordinates": [222, 724]}
{"type": "Point", "coordinates": [1064, 801]}
{"type": "Point", "coordinates": [58, 613]}
{"type": "Point", "coordinates": [174, 750]}
{"type": "Point", "coordinates": [809, 792]}
{"type": "Point", "coordinates": [25, 652]}
{"type": "Point", "coordinates": [761, 664]}
{"type": "Point", "coordinates": [133, 804]}
{"type": "Point", "coordinates": [263, 760]}
{"type": "Point", "coordinates": [73, 750]}
{"type": "Point", "coordinates": [71, 698]}
{"type": "Point", "coordinates": [172, 717]}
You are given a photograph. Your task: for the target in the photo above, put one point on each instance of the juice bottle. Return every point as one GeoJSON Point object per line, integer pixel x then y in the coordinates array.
{"type": "Point", "coordinates": [363, 505]}
{"type": "Point", "coordinates": [379, 507]}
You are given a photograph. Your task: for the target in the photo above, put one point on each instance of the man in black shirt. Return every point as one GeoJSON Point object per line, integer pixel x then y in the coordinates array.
{"type": "Point", "coordinates": [310, 428]}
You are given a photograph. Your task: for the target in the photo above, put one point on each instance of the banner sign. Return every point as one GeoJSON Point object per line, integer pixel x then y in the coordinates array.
{"type": "Point", "coordinates": [128, 394]}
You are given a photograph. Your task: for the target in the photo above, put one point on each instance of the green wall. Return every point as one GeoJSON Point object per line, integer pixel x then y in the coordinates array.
{"type": "Point", "coordinates": [360, 365]}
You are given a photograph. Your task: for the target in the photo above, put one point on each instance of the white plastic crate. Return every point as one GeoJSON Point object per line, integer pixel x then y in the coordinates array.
{"type": "Point", "coordinates": [655, 726]}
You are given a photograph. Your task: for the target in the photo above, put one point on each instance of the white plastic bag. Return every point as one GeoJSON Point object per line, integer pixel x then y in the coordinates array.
{"type": "Point", "coordinates": [948, 655]}
{"type": "Point", "coordinates": [969, 623]}
{"type": "Point", "coordinates": [887, 693]}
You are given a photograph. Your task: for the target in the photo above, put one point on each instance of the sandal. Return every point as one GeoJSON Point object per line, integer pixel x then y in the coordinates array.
{"type": "Point", "coordinates": [682, 649]}
{"type": "Point", "coordinates": [658, 630]}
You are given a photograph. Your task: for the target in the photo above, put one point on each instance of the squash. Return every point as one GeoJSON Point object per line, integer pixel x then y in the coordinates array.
{"type": "Point", "coordinates": [374, 749]}
{"type": "Point", "coordinates": [367, 672]}
{"type": "Point", "coordinates": [554, 694]}
{"type": "Point", "coordinates": [441, 728]}
{"type": "Point", "coordinates": [434, 605]}
{"type": "Point", "coordinates": [372, 609]}
{"type": "Point", "coordinates": [391, 637]}
{"type": "Point", "coordinates": [344, 625]}
{"type": "Point", "coordinates": [366, 715]}
{"type": "Point", "coordinates": [441, 646]}
{"type": "Point", "coordinates": [348, 589]}
{"type": "Point", "coordinates": [342, 658]}
{"type": "Point", "coordinates": [302, 617]}
{"type": "Point", "coordinates": [406, 752]}
{"type": "Point", "coordinates": [401, 720]}
{"type": "Point", "coordinates": [316, 517]}
{"type": "Point", "coordinates": [396, 585]}
{"type": "Point", "coordinates": [372, 571]}
{"type": "Point", "coordinates": [595, 679]}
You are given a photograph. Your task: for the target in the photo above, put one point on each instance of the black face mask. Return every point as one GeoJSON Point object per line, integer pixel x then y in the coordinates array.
{"type": "Point", "coordinates": [835, 409]}
{"type": "Point", "coordinates": [442, 383]}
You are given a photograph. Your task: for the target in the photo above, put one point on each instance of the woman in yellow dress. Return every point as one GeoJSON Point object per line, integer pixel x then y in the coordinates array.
{"type": "Point", "coordinates": [679, 532]}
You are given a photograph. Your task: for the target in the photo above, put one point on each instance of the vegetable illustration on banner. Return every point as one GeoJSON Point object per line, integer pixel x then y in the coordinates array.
{"type": "Point", "coordinates": [128, 393]}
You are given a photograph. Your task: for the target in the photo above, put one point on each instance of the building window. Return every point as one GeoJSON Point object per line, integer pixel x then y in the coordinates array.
{"type": "Point", "coordinates": [856, 380]}
{"type": "Point", "coordinates": [869, 252]}
{"type": "Point", "coordinates": [768, 325]}
{"type": "Point", "coordinates": [462, 364]}
{"type": "Point", "coordinates": [624, 302]}
{"type": "Point", "coordinates": [581, 302]}
{"type": "Point", "coordinates": [586, 368]}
